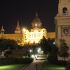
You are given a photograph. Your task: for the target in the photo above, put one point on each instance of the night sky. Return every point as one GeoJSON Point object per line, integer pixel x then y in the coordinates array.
{"type": "Point", "coordinates": [25, 10]}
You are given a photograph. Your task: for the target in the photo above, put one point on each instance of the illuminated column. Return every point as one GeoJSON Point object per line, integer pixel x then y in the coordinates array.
{"type": "Point", "coordinates": [44, 31]}
{"type": "Point", "coordinates": [26, 36]}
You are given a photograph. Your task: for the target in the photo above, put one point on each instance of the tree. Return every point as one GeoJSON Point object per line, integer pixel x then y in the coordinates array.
{"type": "Point", "coordinates": [11, 44]}
{"type": "Point", "coordinates": [63, 50]}
{"type": "Point", "coordinates": [7, 45]}
{"type": "Point", "coordinates": [44, 44]}
{"type": "Point", "coordinates": [52, 56]}
{"type": "Point", "coordinates": [50, 49]}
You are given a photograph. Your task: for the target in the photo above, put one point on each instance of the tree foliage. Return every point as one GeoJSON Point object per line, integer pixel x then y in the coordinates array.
{"type": "Point", "coordinates": [63, 50]}
{"type": "Point", "coordinates": [44, 44]}
{"type": "Point", "coordinates": [50, 49]}
{"type": "Point", "coordinates": [6, 43]}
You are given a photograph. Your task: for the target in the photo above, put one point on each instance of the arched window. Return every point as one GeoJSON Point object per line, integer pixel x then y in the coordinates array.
{"type": "Point", "coordinates": [65, 11]}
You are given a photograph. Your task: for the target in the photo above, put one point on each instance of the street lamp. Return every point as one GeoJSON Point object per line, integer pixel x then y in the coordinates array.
{"type": "Point", "coordinates": [54, 43]}
{"type": "Point", "coordinates": [32, 56]}
{"type": "Point", "coordinates": [30, 50]}
{"type": "Point", "coordinates": [38, 50]}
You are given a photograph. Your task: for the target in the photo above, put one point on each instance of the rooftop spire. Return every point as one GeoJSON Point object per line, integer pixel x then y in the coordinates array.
{"type": "Point", "coordinates": [36, 14]}
{"type": "Point", "coordinates": [2, 30]}
{"type": "Point", "coordinates": [18, 24]}
{"type": "Point", "coordinates": [18, 30]}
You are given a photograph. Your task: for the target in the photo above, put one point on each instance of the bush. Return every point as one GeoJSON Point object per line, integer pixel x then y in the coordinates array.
{"type": "Point", "coordinates": [7, 61]}
{"type": "Point", "coordinates": [62, 63]}
{"type": "Point", "coordinates": [52, 59]}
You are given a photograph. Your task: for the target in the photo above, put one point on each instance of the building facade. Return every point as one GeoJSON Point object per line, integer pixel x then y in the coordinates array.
{"type": "Point", "coordinates": [17, 35]}
{"type": "Point", "coordinates": [36, 33]}
{"type": "Point", "coordinates": [63, 22]}
{"type": "Point", "coordinates": [25, 36]}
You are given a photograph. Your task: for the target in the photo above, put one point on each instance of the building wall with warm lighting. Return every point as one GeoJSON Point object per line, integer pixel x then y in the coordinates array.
{"type": "Point", "coordinates": [51, 35]}
{"type": "Point", "coordinates": [36, 33]}
{"type": "Point", "coordinates": [63, 23]}
{"type": "Point", "coordinates": [16, 37]}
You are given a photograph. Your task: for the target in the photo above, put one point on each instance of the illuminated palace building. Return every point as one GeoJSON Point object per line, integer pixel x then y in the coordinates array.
{"type": "Point", "coordinates": [25, 36]}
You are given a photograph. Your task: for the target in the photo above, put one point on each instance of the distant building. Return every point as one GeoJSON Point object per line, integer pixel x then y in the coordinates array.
{"type": "Point", "coordinates": [51, 35]}
{"type": "Point", "coordinates": [25, 36]}
{"type": "Point", "coordinates": [17, 35]}
{"type": "Point", "coordinates": [36, 33]}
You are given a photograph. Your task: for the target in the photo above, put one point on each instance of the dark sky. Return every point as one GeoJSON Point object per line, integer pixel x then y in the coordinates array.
{"type": "Point", "coordinates": [25, 10]}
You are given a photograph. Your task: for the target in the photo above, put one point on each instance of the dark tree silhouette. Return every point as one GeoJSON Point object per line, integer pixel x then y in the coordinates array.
{"type": "Point", "coordinates": [63, 50]}
{"type": "Point", "coordinates": [44, 44]}
{"type": "Point", "coordinates": [52, 54]}
{"type": "Point", "coordinates": [6, 43]}
{"type": "Point", "coordinates": [50, 49]}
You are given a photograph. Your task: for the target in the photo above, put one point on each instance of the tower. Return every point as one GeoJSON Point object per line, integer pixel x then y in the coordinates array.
{"type": "Point", "coordinates": [62, 20]}
{"type": "Point", "coordinates": [2, 30]}
{"type": "Point", "coordinates": [18, 30]}
{"type": "Point", "coordinates": [64, 8]}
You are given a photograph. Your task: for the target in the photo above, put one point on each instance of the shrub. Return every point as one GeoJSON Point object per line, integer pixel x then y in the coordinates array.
{"type": "Point", "coordinates": [7, 61]}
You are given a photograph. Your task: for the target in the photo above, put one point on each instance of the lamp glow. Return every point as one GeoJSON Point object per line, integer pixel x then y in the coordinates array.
{"type": "Point", "coordinates": [32, 56]}
{"type": "Point", "coordinates": [30, 50]}
{"type": "Point", "coordinates": [39, 50]}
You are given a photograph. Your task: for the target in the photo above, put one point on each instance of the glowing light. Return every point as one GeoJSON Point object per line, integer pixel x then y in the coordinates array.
{"type": "Point", "coordinates": [24, 29]}
{"type": "Point", "coordinates": [34, 36]}
{"type": "Point", "coordinates": [32, 56]}
{"type": "Point", "coordinates": [30, 50]}
{"type": "Point", "coordinates": [53, 43]}
{"type": "Point", "coordinates": [39, 50]}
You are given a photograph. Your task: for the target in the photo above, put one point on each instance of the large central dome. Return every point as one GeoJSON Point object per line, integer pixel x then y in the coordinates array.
{"type": "Point", "coordinates": [36, 23]}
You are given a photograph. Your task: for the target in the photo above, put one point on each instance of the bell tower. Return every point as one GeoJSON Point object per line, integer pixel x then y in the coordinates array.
{"type": "Point", "coordinates": [64, 7]}
{"type": "Point", "coordinates": [62, 22]}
